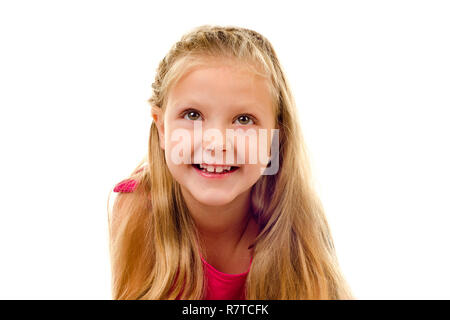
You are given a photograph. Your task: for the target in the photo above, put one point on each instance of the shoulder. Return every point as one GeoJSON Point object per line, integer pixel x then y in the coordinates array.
{"type": "Point", "coordinates": [128, 196]}
{"type": "Point", "coordinates": [128, 185]}
{"type": "Point", "coordinates": [125, 194]}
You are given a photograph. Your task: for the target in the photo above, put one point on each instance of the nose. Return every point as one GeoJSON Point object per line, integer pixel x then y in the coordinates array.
{"type": "Point", "coordinates": [215, 139]}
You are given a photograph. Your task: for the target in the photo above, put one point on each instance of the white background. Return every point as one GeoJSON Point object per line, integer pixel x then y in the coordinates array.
{"type": "Point", "coordinates": [371, 80]}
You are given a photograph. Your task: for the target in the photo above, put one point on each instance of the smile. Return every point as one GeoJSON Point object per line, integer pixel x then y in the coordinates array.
{"type": "Point", "coordinates": [214, 171]}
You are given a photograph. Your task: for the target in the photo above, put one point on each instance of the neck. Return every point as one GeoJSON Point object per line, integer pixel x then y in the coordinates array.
{"type": "Point", "coordinates": [223, 226]}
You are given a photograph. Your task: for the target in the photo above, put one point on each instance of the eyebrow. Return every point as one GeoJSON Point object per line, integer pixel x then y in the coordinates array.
{"type": "Point", "coordinates": [186, 103]}
{"type": "Point", "coordinates": [239, 106]}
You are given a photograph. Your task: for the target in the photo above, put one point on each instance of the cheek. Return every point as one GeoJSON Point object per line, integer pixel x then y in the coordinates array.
{"type": "Point", "coordinates": [249, 175]}
{"type": "Point", "coordinates": [179, 145]}
{"type": "Point", "coordinates": [257, 149]}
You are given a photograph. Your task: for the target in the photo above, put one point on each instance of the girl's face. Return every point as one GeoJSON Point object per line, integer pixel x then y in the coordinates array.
{"type": "Point", "coordinates": [222, 95]}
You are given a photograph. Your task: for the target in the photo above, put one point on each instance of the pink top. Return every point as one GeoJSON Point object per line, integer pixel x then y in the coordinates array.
{"type": "Point", "coordinates": [224, 286]}
{"type": "Point", "coordinates": [220, 286]}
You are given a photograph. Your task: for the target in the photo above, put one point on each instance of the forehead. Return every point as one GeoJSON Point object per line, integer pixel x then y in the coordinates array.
{"type": "Point", "coordinates": [221, 82]}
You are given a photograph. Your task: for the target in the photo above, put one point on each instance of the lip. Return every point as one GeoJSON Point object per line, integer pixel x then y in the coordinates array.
{"type": "Point", "coordinates": [219, 165]}
{"type": "Point", "coordinates": [212, 175]}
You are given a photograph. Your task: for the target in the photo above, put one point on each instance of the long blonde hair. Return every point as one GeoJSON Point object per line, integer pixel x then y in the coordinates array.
{"type": "Point", "coordinates": [154, 243]}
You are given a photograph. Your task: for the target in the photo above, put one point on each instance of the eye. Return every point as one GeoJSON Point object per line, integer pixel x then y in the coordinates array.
{"type": "Point", "coordinates": [245, 119]}
{"type": "Point", "coordinates": [191, 115]}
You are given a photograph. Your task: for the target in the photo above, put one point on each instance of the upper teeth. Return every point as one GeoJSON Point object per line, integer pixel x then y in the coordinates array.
{"type": "Point", "coordinates": [216, 169]}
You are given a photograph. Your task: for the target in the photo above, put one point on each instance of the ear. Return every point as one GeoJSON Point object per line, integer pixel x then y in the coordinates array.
{"type": "Point", "coordinates": [158, 118]}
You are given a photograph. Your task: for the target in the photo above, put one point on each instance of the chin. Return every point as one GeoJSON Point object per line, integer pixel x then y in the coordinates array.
{"type": "Point", "coordinates": [216, 199]}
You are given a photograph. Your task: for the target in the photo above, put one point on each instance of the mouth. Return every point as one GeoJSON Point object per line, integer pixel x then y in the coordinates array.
{"type": "Point", "coordinates": [214, 170]}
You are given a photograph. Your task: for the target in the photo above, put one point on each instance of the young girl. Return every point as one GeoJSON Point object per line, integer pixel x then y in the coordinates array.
{"type": "Point", "coordinates": [221, 229]}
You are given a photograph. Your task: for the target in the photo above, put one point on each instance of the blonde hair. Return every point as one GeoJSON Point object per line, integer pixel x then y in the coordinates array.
{"type": "Point", "coordinates": [154, 247]}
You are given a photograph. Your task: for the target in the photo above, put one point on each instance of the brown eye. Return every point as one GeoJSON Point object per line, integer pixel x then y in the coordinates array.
{"type": "Point", "coordinates": [192, 115]}
{"type": "Point", "coordinates": [244, 119]}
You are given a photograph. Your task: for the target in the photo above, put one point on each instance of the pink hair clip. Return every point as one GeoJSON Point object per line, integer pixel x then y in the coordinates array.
{"type": "Point", "coordinates": [128, 185]}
